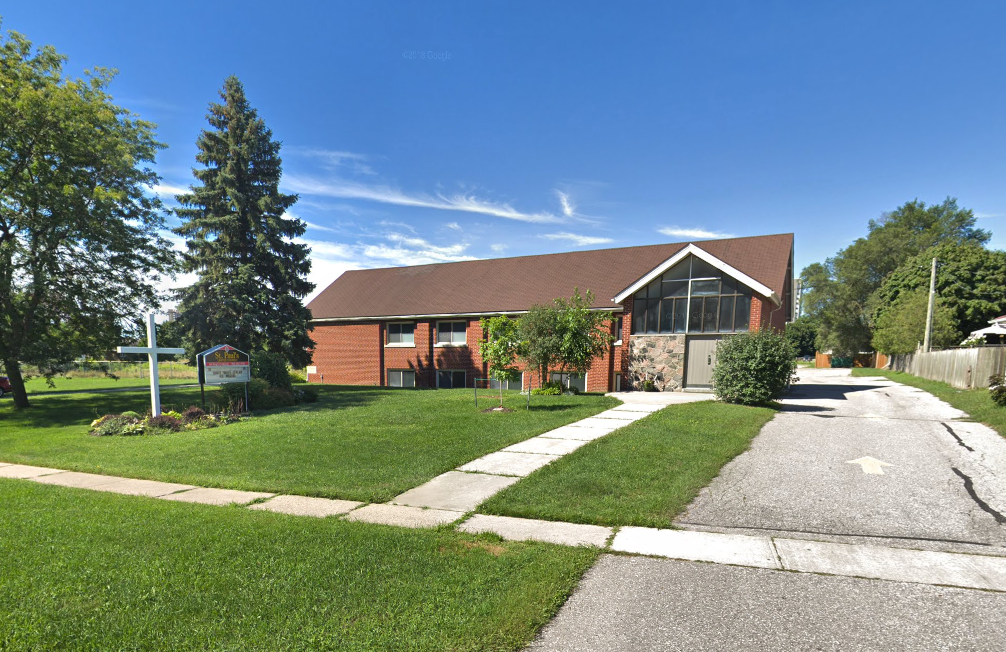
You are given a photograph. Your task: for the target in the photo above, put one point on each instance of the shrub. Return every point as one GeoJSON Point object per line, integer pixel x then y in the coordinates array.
{"type": "Point", "coordinates": [297, 378]}
{"type": "Point", "coordinates": [753, 368]}
{"type": "Point", "coordinates": [548, 389]}
{"type": "Point", "coordinates": [275, 398]}
{"type": "Point", "coordinates": [162, 424]}
{"type": "Point", "coordinates": [112, 425]}
{"type": "Point", "coordinates": [270, 367]}
{"type": "Point", "coordinates": [231, 395]}
{"type": "Point", "coordinates": [649, 386]}
{"type": "Point", "coordinates": [131, 415]}
{"type": "Point", "coordinates": [306, 394]}
{"type": "Point", "coordinates": [997, 389]}
{"type": "Point", "coordinates": [192, 413]}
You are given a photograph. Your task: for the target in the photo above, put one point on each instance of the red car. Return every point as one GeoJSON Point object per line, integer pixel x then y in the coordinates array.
{"type": "Point", "coordinates": [4, 385]}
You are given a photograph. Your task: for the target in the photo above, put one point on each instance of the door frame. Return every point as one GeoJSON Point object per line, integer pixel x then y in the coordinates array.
{"type": "Point", "coordinates": [688, 352]}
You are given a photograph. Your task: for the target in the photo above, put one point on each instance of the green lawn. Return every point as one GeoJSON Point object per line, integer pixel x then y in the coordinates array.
{"type": "Point", "coordinates": [357, 443]}
{"type": "Point", "coordinates": [83, 570]}
{"type": "Point", "coordinates": [644, 474]}
{"type": "Point", "coordinates": [73, 383]}
{"type": "Point", "coordinates": [975, 402]}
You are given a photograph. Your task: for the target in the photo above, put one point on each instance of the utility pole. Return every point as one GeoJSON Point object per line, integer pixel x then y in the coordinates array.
{"type": "Point", "coordinates": [929, 312]}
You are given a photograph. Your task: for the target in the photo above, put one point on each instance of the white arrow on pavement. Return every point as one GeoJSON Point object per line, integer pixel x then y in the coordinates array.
{"type": "Point", "coordinates": [870, 465]}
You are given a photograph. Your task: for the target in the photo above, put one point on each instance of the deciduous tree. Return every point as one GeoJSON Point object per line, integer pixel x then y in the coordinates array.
{"type": "Point", "coordinates": [499, 348]}
{"type": "Point", "coordinates": [80, 248]}
{"type": "Point", "coordinates": [240, 239]}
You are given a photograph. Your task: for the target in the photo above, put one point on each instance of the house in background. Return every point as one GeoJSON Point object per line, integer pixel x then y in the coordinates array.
{"type": "Point", "coordinates": [419, 326]}
{"type": "Point", "coordinates": [994, 334]}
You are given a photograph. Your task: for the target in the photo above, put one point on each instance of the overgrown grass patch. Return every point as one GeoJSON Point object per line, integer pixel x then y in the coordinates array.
{"type": "Point", "coordinates": [83, 570]}
{"type": "Point", "coordinates": [644, 474]}
{"type": "Point", "coordinates": [976, 402]}
{"type": "Point", "coordinates": [357, 443]}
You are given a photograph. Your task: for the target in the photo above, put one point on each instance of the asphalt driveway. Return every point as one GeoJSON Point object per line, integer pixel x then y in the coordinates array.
{"type": "Point", "coordinates": [941, 481]}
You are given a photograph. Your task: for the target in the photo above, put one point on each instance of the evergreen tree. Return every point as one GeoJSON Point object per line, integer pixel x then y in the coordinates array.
{"type": "Point", "coordinates": [240, 240]}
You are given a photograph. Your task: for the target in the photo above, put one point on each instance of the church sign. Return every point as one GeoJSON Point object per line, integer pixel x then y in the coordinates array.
{"type": "Point", "coordinates": [224, 364]}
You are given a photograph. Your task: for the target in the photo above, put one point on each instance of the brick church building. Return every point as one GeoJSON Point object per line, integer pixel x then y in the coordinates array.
{"type": "Point", "coordinates": [419, 326]}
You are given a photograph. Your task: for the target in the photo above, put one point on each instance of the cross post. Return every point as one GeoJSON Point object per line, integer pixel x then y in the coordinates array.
{"type": "Point", "coordinates": [151, 350]}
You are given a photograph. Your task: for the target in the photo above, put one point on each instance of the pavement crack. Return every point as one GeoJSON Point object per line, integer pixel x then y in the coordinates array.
{"type": "Point", "coordinates": [969, 486]}
{"type": "Point", "coordinates": [957, 437]}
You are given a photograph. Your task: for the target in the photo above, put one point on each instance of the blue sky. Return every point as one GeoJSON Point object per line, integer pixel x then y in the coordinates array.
{"type": "Point", "coordinates": [433, 131]}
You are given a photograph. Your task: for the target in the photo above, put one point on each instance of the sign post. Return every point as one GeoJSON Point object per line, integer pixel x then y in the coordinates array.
{"type": "Point", "coordinates": [223, 364]}
{"type": "Point", "coordinates": [151, 350]}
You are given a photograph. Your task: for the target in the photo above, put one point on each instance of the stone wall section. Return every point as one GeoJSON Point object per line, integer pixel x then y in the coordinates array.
{"type": "Point", "coordinates": [660, 358]}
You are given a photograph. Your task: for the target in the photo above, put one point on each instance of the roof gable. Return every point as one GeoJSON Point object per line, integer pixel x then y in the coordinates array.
{"type": "Point", "coordinates": [693, 250]}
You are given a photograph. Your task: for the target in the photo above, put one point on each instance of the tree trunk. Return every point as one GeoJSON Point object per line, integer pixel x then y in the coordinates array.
{"type": "Point", "coordinates": [13, 369]}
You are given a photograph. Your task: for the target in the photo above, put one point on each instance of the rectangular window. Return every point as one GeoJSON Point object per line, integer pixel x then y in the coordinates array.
{"type": "Point", "coordinates": [652, 307]}
{"type": "Point", "coordinates": [709, 314]}
{"type": "Point", "coordinates": [402, 333]}
{"type": "Point", "coordinates": [452, 332]}
{"type": "Point", "coordinates": [726, 314]}
{"type": "Point", "coordinates": [576, 381]}
{"type": "Point", "coordinates": [742, 313]}
{"type": "Point", "coordinates": [401, 378]}
{"type": "Point", "coordinates": [680, 315]}
{"type": "Point", "coordinates": [695, 315]}
{"type": "Point", "coordinates": [639, 316]}
{"type": "Point", "coordinates": [516, 384]}
{"type": "Point", "coordinates": [618, 328]}
{"type": "Point", "coordinates": [450, 379]}
{"type": "Point", "coordinates": [618, 383]}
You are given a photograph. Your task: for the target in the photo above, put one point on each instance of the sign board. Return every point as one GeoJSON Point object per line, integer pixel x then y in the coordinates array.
{"type": "Point", "coordinates": [224, 364]}
{"type": "Point", "coordinates": [312, 370]}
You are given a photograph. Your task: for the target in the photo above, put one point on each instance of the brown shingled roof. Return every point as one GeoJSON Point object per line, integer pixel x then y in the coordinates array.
{"type": "Point", "coordinates": [515, 284]}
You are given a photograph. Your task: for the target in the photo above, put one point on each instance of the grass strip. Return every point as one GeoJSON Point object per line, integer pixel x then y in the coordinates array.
{"type": "Point", "coordinates": [976, 402]}
{"type": "Point", "coordinates": [355, 443]}
{"type": "Point", "coordinates": [644, 474]}
{"type": "Point", "coordinates": [88, 571]}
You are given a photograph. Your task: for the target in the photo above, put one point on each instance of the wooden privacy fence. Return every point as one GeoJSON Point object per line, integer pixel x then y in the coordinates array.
{"type": "Point", "coordinates": [961, 368]}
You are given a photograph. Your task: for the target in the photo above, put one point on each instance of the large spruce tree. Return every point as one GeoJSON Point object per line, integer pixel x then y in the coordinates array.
{"type": "Point", "coordinates": [252, 275]}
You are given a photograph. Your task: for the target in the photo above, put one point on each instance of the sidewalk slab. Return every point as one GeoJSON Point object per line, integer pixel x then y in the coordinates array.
{"type": "Point", "coordinates": [454, 490]}
{"type": "Point", "coordinates": [306, 506]}
{"type": "Point", "coordinates": [545, 446]}
{"type": "Point", "coordinates": [148, 488]}
{"type": "Point", "coordinates": [77, 480]}
{"type": "Point", "coordinates": [23, 472]}
{"type": "Point", "coordinates": [620, 415]}
{"type": "Point", "coordinates": [111, 483]}
{"type": "Point", "coordinates": [508, 463]}
{"type": "Point", "coordinates": [637, 407]}
{"type": "Point", "coordinates": [206, 496]}
{"type": "Point", "coordinates": [527, 529]}
{"type": "Point", "coordinates": [897, 564]}
{"type": "Point", "coordinates": [736, 549]}
{"type": "Point", "coordinates": [403, 516]}
{"type": "Point", "coordinates": [594, 422]}
{"type": "Point", "coordinates": [582, 434]}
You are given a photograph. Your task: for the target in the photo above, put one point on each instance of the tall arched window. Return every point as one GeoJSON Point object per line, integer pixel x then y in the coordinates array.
{"type": "Point", "coordinates": [692, 297]}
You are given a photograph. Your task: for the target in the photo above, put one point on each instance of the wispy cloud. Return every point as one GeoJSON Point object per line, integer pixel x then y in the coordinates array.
{"type": "Point", "coordinates": [453, 226]}
{"type": "Point", "coordinates": [987, 216]}
{"type": "Point", "coordinates": [678, 232]}
{"type": "Point", "coordinates": [575, 238]}
{"type": "Point", "coordinates": [167, 191]}
{"type": "Point", "coordinates": [351, 161]}
{"type": "Point", "coordinates": [467, 203]}
{"type": "Point", "coordinates": [568, 209]}
{"type": "Point", "coordinates": [498, 248]}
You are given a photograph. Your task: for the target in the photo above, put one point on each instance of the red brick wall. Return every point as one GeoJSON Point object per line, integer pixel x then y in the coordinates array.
{"type": "Point", "coordinates": [765, 314]}
{"type": "Point", "coordinates": [348, 354]}
{"type": "Point", "coordinates": [355, 354]}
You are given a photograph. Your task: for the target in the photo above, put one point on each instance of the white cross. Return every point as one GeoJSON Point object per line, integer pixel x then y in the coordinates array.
{"type": "Point", "coordinates": [151, 350]}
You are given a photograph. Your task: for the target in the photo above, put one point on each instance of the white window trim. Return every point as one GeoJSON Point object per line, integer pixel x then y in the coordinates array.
{"type": "Point", "coordinates": [450, 344]}
{"type": "Point", "coordinates": [401, 371]}
{"type": "Point", "coordinates": [568, 373]}
{"type": "Point", "coordinates": [405, 345]}
{"type": "Point", "coordinates": [691, 249]}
